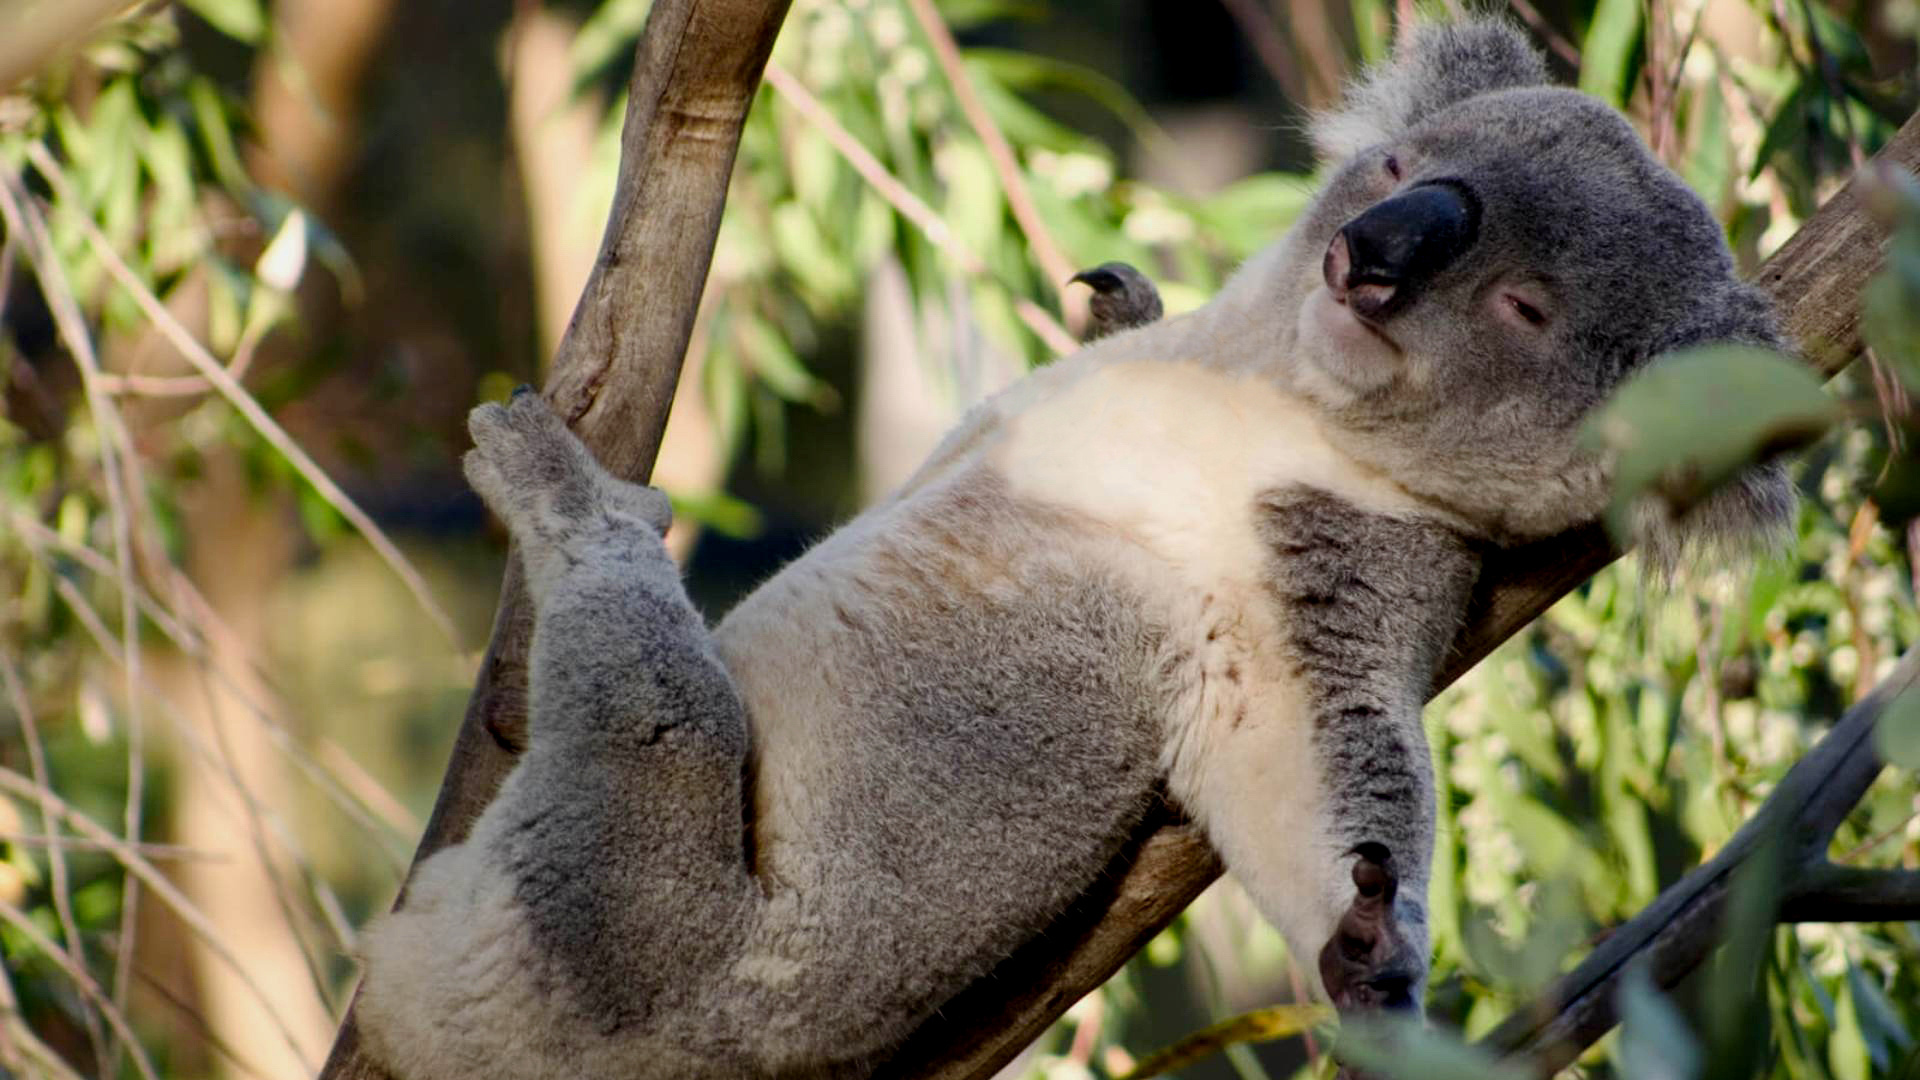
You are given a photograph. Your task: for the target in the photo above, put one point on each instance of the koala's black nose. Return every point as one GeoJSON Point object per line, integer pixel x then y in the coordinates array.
{"type": "Point", "coordinates": [1381, 259]}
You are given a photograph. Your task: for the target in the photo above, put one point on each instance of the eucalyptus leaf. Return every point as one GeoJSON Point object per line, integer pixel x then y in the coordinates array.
{"type": "Point", "coordinates": [1405, 1049]}
{"type": "Point", "coordinates": [242, 20]}
{"type": "Point", "coordinates": [1606, 61]}
{"type": "Point", "coordinates": [1655, 1043]}
{"type": "Point", "coordinates": [606, 35]}
{"type": "Point", "coordinates": [1897, 734]}
{"type": "Point", "coordinates": [1886, 1037]}
{"type": "Point", "coordinates": [1694, 419]}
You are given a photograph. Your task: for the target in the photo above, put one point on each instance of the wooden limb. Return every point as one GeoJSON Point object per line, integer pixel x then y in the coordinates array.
{"type": "Point", "coordinates": [697, 66]}
{"type": "Point", "coordinates": [1853, 894]}
{"type": "Point", "coordinates": [1815, 279]}
{"type": "Point", "coordinates": [1682, 926]}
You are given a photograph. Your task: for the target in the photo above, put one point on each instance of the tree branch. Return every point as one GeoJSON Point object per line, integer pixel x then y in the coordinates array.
{"type": "Point", "coordinates": [696, 68]}
{"type": "Point", "coordinates": [1853, 894]}
{"type": "Point", "coordinates": [1815, 279]}
{"type": "Point", "coordinates": [1682, 925]}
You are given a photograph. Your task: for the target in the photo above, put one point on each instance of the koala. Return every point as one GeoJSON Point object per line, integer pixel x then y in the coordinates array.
{"type": "Point", "coordinates": [1216, 558]}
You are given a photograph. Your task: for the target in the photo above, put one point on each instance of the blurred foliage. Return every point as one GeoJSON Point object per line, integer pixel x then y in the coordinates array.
{"type": "Point", "coordinates": [1590, 761]}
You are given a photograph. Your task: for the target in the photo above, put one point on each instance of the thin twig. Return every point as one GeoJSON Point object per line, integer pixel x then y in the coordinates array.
{"type": "Point", "coordinates": [258, 817]}
{"type": "Point", "coordinates": [116, 452]}
{"type": "Point", "coordinates": [201, 1028]}
{"type": "Point", "coordinates": [909, 206]}
{"type": "Point", "coordinates": [338, 777]}
{"type": "Point", "coordinates": [37, 766]}
{"type": "Point", "coordinates": [214, 372]}
{"type": "Point", "coordinates": [168, 893]}
{"type": "Point", "coordinates": [134, 384]}
{"type": "Point", "coordinates": [23, 1034]}
{"type": "Point", "coordinates": [1564, 49]}
{"type": "Point", "coordinates": [1046, 251]}
{"type": "Point", "coordinates": [149, 849]}
{"type": "Point", "coordinates": [82, 981]}
{"type": "Point", "coordinates": [1257, 24]}
{"type": "Point", "coordinates": [1681, 926]}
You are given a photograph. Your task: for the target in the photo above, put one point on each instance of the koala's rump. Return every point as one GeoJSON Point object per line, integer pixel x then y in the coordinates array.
{"type": "Point", "coordinates": [956, 721]}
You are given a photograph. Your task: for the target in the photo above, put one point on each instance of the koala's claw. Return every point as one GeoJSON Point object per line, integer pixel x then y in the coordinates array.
{"type": "Point", "coordinates": [1368, 964]}
{"type": "Point", "coordinates": [1123, 298]}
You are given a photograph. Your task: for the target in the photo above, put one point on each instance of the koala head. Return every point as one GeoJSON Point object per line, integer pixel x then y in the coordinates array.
{"type": "Point", "coordinates": [1490, 257]}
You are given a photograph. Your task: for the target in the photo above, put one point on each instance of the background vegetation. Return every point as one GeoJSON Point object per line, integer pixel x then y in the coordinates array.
{"type": "Point", "coordinates": [250, 247]}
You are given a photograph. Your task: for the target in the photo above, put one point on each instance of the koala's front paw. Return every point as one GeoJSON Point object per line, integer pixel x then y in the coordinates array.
{"type": "Point", "coordinates": [541, 480]}
{"type": "Point", "coordinates": [1371, 963]}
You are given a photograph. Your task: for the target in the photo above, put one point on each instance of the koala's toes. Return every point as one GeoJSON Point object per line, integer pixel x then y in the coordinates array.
{"type": "Point", "coordinates": [1369, 964]}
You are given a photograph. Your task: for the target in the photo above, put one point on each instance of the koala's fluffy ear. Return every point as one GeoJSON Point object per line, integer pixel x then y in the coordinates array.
{"type": "Point", "coordinates": [1754, 512]}
{"type": "Point", "coordinates": [1444, 63]}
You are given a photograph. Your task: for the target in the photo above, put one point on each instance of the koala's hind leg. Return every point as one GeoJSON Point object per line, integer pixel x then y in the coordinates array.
{"type": "Point", "coordinates": [617, 843]}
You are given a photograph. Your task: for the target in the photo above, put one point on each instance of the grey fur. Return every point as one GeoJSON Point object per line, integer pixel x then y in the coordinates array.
{"type": "Point", "coordinates": [777, 849]}
{"type": "Point", "coordinates": [1369, 602]}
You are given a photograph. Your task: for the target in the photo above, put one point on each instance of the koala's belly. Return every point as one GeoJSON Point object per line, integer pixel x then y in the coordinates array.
{"type": "Point", "coordinates": [963, 701]}
{"type": "Point", "coordinates": [955, 726]}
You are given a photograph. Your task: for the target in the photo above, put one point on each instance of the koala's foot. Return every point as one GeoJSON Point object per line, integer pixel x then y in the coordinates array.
{"type": "Point", "coordinates": [1370, 964]}
{"type": "Point", "coordinates": [543, 482]}
{"type": "Point", "coordinates": [1123, 298]}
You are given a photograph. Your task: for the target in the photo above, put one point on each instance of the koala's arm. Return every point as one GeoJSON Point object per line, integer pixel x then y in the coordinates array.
{"type": "Point", "coordinates": [538, 946]}
{"type": "Point", "coordinates": [1337, 852]}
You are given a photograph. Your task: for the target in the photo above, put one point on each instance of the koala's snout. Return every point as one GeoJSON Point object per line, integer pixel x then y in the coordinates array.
{"type": "Point", "coordinates": [1379, 261]}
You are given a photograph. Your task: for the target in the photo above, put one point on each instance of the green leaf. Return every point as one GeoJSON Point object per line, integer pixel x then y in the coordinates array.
{"type": "Point", "coordinates": [719, 511]}
{"type": "Point", "coordinates": [805, 251]}
{"type": "Point", "coordinates": [1250, 214]}
{"type": "Point", "coordinates": [606, 34]}
{"type": "Point", "coordinates": [1655, 1043]}
{"type": "Point", "coordinates": [216, 134]}
{"type": "Point", "coordinates": [1709, 165]}
{"type": "Point", "coordinates": [1405, 1049]}
{"type": "Point", "coordinates": [1694, 419]}
{"type": "Point", "coordinates": [1737, 1035]}
{"type": "Point", "coordinates": [1880, 1024]}
{"type": "Point", "coordinates": [1606, 58]}
{"type": "Point", "coordinates": [241, 20]}
{"type": "Point", "coordinates": [776, 365]}
{"type": "Point", "coordinates": [1897, 734]}
{"type": "Point", "coordinates": [964, 14]}
{"type": "Point", "coordinates": [1027, 72]}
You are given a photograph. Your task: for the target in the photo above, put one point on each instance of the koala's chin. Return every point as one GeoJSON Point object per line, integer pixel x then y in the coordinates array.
{"type": "Point", "coordinates": [1339, 357]}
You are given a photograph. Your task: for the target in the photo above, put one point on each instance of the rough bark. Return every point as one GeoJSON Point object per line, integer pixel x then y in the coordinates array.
{"type": "Point", "coordinates": [1815, 278]}
{"type": "Point", "coordinates": [697, 66]}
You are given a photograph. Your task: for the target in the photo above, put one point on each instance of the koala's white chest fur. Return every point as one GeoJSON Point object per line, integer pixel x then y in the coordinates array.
{"type": "Point", "coordinates": [1174, 458]}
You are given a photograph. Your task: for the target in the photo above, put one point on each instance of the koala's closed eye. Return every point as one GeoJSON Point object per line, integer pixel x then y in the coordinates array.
{"type": "Point", "coordinates": [1523, 307]}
